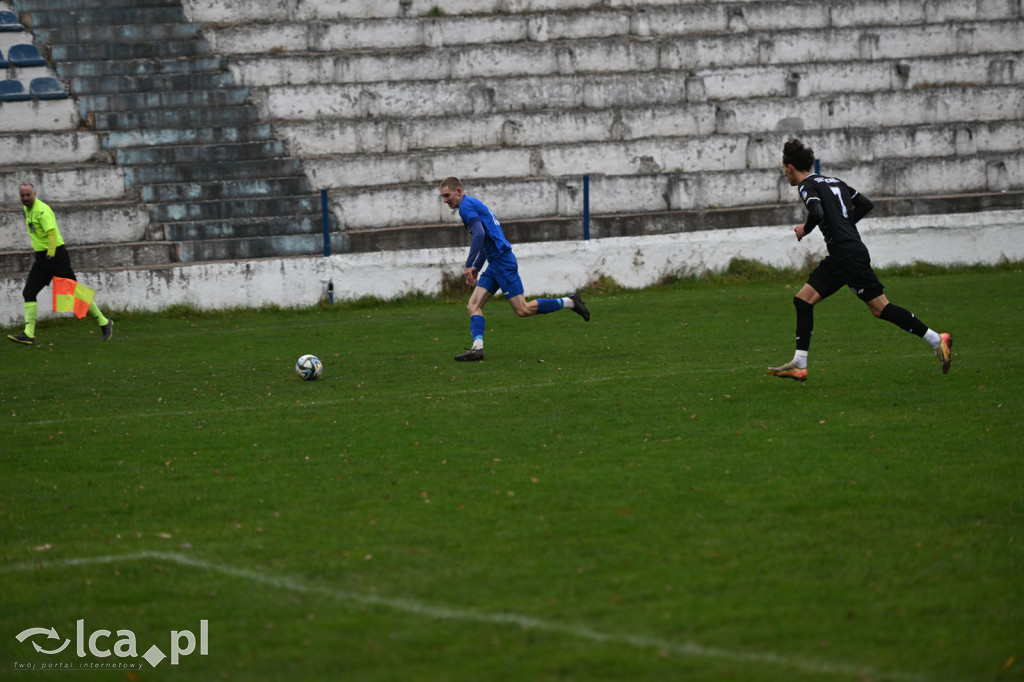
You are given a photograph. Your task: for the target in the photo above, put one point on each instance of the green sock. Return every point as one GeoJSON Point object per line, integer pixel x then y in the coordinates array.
{"type": "Point", "coordinates": [94, 311]}
{"type": "Point", "coordinates": [31, 312]}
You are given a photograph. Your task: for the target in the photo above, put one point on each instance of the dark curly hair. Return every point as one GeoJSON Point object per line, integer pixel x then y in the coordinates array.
{"type": "Point", "coordinates": [794, 152]}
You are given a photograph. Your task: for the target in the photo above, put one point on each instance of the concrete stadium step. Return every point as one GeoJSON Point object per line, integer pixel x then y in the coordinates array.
{"type": "Point", "coordinates": [185, 118]}
{"type": "Point", "coordinates": [39, 115]}
{"type": "Point", "coordinates": [852, 146]}
{"type": "Point", "coordinates": [328, 136]}
{"type": "Point", "coordinates": [190, 154]}
{"type": "Point", "coordinates": [473, 97]}
{"type": "Point", "coordinates": [171, 99]}
{"type": "Point", "coordinates": [514, 97]}
{"type": "Point", "coordinates": [883, 109]}
{"type": "Point", "coordinates": [227, 11]}
{"type": "Point", "coordinates": [83, 222]}
{"type": "Point", "coordinates": [338, 34]}
{"type": "Point", "coordinates": [104, 85]}
{"type": "Point", "coordinates": [73, 5]}
{"type": "Point", "coordinates": [688, 153]}
{"type": "Point", "coordinates": [629, 54]}
{"type": "Point", "coordinates": [289, 186]}
{"type": "Point", "coordinates": [157, 49]}
{"type": "Point", "coordinates": [205, 135]}
{"type": "Point", "coordinates": [667, 222]}
{"type": "Point", "coordinates": [801, 46]}
{"type": "Point", "coordinates": [119, 33]}
{"type": "Point", "coordinates": [149, 175]}
{"type": "Point", "coordinates": [168, 135]}
{"type": "Point", "coordinates": [99, 257]}
{"type": "Point", "coordinates": [348, 36]}
{"type": "Point", "coordinates": [65, 182]}
{"type": "Point", "coordinates": [47, 148]}
{"type": "Point", "coordinates": [104, 16]}
{"type": "Point", "coordinates": [173, 215]}
{"type": "Point", "coordinates": [516, 198]}
{"type": "Point", "coordinates": [249, 228]}
{"type": "Point", "coordinates": [141, 67]}
{"type": "Point", "coordinates": [643, 156]}
{"type": "Point", "coordinates": [279, 246]}
{"type": "Point", "coordinates": [858, 76]}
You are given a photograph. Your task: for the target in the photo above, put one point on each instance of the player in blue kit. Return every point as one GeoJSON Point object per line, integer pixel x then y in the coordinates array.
{"type": "Point", "coordinates": [489, 244]}
{"type": "Point", "coordinates": [835, 208]}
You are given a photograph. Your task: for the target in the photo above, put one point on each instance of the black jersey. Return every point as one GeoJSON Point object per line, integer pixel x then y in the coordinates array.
{"type": "Point", "coordinates": [835, 207]}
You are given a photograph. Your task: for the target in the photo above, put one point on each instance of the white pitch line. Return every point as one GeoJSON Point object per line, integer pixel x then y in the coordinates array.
{"type": "Point", "coordinates": [687, 649]}
{"type": "Point", "coordinates": [446, 390]}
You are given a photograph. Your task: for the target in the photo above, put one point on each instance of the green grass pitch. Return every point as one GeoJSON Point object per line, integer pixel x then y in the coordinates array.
{"type": "Point", "coordinates": [629, 499]}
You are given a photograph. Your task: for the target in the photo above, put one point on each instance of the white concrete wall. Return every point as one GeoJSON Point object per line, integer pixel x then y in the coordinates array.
{"type": "Point", "coordinates": [539, 197]}
{"type": "Point", "coordinates": [794, 49]}
{"type": "Point", "coordinates": [306, 10]}
{"type": "Point", "coordinates": [88, 223]}
{"type": "Point", "coordinates": [553, 267]}
{"type": "Point", "coordinates": [755, 12]}
{"type": "Point", "coordinates": [56, 183]}
{"type": "Point", "coordinates": [42, 148]}
{"type": "Point", "coordinates": [52, 114]}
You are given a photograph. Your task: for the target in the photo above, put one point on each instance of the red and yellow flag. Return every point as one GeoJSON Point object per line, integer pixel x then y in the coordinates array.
{"type": "Point", "coordinates": [71, 297]}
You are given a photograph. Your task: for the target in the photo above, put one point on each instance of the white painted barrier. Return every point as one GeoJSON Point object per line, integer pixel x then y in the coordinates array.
{"type": "Point", "coordinates": [551, 267]}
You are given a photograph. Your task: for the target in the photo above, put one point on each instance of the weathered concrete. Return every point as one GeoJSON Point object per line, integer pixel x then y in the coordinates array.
{"type": "Point", "coordinates": [653, 155]}
{"type": "Point", "coordinates": [738, 15]}
{"type": "Point", "coordinates": [38, 115]}
{"type": "Point", "coordinates": [274, 10]}
{"type": "Point", "coordinates": [554, 267]}
{"type": "Point", "coordinates": [63, 183]}
{"type": "Point", "coordinates": [81, 223]}
{"type": "Point", "coordinates": [42, 148]}
{"type": "Point", "coordinates": [533, 197]}
{"type": "Point", "coordinates": [669, 105]}
{"type": "Point", "coordinates": [329, 136]}
{"type": "Point", "coordinates": [861, 76]}
{"type": "Point", "coordinates": [513, 96]}
{"type": "Point", "coordinates": [10, 38]}
{"type": "Point", "coordinates": [276, 64]}
{"type": "Point", "coordinates": [330, 34]}
{"type": "Point", "coordinates": [881, 110]}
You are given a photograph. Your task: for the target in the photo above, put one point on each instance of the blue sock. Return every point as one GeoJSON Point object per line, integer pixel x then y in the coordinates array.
{"type": "Point", "coordinates": [476, 327]}
{"type": "Point", "coordinates": [548, 305]}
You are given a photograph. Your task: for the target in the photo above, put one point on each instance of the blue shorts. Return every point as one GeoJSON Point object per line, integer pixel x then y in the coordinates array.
{"type": "Point", "coordinates": [503, 274]}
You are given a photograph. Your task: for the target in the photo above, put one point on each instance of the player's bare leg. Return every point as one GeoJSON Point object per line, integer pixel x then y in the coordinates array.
{"type": "Point", "coordinates": [541, 306]}
{"type": "Point", "coordinates": [944, 351]}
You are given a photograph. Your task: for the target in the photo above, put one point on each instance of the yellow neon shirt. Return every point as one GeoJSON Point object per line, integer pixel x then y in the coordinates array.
{"type": "Point", "coordinates": [40, 219]}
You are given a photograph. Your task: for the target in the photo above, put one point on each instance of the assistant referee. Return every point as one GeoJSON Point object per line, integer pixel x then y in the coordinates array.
{"type": "Point", "coordinates": [51, 260]}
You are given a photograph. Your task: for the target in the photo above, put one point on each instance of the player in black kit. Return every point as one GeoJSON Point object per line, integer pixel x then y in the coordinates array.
{"type": "Point", "coordinates": [835, 208]}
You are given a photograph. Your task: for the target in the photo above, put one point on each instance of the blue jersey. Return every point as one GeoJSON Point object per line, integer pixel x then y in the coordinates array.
{"type": "Point", "coordinates": [495, 244]}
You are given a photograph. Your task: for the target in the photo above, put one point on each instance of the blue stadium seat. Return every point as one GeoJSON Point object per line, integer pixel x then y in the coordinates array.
{"type": "Point", "coordinates": [13, 91]}
{"type": "Point", "coordinates": [47, 88]}
{"type": "Point", "coordinates": [25, 54]}
{"type": "Point", "coordinates": [3, 61]}
{"type": "Point", "coordinates": [9, 22]}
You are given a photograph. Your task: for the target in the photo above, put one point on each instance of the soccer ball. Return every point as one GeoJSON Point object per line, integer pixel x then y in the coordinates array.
{"type": "Point", "coordinates": [309, 367]}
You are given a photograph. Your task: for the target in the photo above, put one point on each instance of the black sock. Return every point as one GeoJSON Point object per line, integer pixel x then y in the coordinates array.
{"type": "Point", "coordinates": [804, 323]}
{"type": "Point", "coordinates": [904, 319]}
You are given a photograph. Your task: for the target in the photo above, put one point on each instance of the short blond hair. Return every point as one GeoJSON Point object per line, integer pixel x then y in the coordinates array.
{"type": "Point", "coordinates": [451, 182]}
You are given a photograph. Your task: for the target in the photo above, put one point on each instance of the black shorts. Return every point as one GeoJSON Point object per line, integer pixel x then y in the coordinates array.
{"type": "Point", "coordinates": [45, 269]}
{"type": "Point", "coordinates": [854, 271]}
